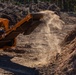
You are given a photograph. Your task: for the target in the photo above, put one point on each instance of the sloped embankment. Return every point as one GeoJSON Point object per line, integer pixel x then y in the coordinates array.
{"type": "Point", "coordinates": [64, 64]}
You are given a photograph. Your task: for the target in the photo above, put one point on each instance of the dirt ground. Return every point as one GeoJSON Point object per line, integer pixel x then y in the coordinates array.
{"type": "Point", "coordinates": [63, 64]}
{"type": "Point", "coordinates": [49, 50]}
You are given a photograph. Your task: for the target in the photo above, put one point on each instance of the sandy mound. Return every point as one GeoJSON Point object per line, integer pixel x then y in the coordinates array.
{"type": "Point", "coordinates": [42, 43]}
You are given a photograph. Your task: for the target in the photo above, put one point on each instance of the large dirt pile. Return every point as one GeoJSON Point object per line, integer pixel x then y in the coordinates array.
{"type": "Point", "coordinates": [43, 42]}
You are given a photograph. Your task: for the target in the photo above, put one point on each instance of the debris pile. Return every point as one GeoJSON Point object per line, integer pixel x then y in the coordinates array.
{"type": "Point", "coordinates": [16, 12]}
{"type": "Point", "coordinates": [12, 12]}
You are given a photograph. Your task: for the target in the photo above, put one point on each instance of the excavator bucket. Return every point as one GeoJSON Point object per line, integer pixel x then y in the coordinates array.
{"type": "Point", "coordinates": [26, 25]}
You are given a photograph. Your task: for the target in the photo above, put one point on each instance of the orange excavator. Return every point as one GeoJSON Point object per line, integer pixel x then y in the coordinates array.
{"type": "Point", "coordinates": [8, 34]}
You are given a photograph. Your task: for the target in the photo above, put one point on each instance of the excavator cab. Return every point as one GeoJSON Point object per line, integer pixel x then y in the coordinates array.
{"type": "Point", "coordinates": [4, 25]}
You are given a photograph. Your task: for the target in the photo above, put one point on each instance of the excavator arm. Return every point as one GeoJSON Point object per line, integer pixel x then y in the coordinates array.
{"type": "Point", "coordinates": [25, 25]}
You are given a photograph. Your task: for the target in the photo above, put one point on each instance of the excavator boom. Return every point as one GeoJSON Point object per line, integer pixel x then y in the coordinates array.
{"type": "Point", "coordinates": [26, 25]}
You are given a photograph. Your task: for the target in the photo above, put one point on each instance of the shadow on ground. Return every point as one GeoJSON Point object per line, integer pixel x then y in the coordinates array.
{"type": "Point", "coordinates": [16, 69]}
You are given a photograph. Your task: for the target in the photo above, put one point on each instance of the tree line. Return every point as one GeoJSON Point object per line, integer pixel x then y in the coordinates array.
{"type": "Point", "coordinates": [65, 5]}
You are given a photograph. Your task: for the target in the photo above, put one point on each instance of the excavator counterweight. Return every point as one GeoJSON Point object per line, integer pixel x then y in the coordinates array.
{"type": "Point", "coordinates": [8, 34]}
